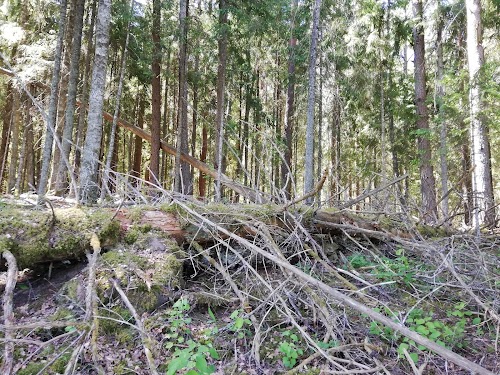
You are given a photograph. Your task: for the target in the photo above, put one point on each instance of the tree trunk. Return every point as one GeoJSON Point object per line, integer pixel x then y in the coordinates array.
{"type": "Point", "coordinates": [30, 157]}
{"type": "Point", "coordinates": [90, 159]}
{"type": "Point", "coordinates": [482, 184]}
{"type": "Point", "coordinates": [79, 136]}
{"type": "Point", "coordinates": [221, 86]}
{"type": "Point", "coordinates": [111, 145]}
{"type": "Point", "coordinates": [183, 182]}
{"type": "Point", "coordinates": [154, 164]}
{"type": "Point", "coordinates": [164, 173]}
{"type": "Point", "coordinates": [14, 142]}
{"type": "Point", "coordinates": [335, 146]}
{"type": "Point", "coordinates": [67, 137]}
{"type": "Point", "coordinates": [309, 154]}
{"type": "Point", "coordinates": [286, 166]}
{"type": "Point", "coordinates": [63, 91]}
{"type": "Point", "coordinates": [427, 181]}
{"type": "Point", "coordinates": [439, 97]}
{"type": "Point", "coordinates": [52, 112]}
{"type": "Point", "coordinates": [6, 129]}
{"type": "Point", "coordinates": [319, 170]}
{"type": "Point", "coordinates": [136, 170]}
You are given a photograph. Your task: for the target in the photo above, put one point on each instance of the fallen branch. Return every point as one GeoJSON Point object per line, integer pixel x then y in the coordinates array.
{"type": "Point", "coordinates": [310, 194]}
{"type": "Point", "coordinates": [346, 300]}
{"type": "Point", "coordinates": [8, 313]}
{"type": "Point", "coordinates": [369, 193]}
{"type": "Point", "coordinates": [146, 340]}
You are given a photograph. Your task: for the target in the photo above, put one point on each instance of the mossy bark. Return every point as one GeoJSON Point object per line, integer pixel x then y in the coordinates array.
{"type": "Point", "coordinates": [36, 237]}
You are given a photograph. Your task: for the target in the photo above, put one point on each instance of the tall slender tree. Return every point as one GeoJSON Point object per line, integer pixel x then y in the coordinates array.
{"type": "Point", "coordinates": [286, 166]}
{"type": "Point", "coordinates": [482, 183]}
{"type": "Point", "coordinates": [427, 180]}
{"type": "Point", "coordinates": [221, 87]}
{"type": "Point", "coordinates": [67, 137]}
{"type": "Point", "coordinates": [183, 181]}
{"type": "Point", "coordinates": [52, 112]}
{"type": "Point", "coordinates": [154, 165]}
{"type": "Point", "coordinates": [90, 158]}
{"type": "Point", "coordinates": [309, 154]}
{"type": "Point", "coordinates": [112, 137]}
{"type": "Point", "coordinates": [439, 97]}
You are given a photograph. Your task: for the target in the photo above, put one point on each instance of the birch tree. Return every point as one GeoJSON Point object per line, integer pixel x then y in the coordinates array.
{"type": "Point", "coordinates": [482, 184]}
{"type": "Point", "coordinates": [90, 158]}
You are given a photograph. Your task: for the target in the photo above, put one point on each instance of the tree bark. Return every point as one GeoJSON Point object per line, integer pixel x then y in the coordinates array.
{"type": "Point", "coordinates": [482, 184]}
{"type": "Point", "coordinates": [136, 169]}
{"type": "Point", "coordinates": [427, 181]}
{"type": "Point", "coordinates": [63, 91]}
{"type": "Point", "coordinates": [154, 165]}
{"type": "Point", "coordinates": [6, 130]}
{"type": "Point", "coordinates": [286, 166]}
{"type": "Point", "coordinates": [439, 97]}
{"type": "Point", "coordinates": [14, 142]}
{"type": "Point", "coordinates": [90, 160]}
{"type": "Point", "coordinates": [309, 153]}
{"type": "Point", "coordinates": [221, 87]}
{"type": "Point", "coordinates": [79, 136]}
{"type": "Point", "coordinates": [52, 112]}
{"type": "Point", "coordinates": [67, 137]}
{"type": "Point", "coordinates": [112, 136]}
{"type": "Point", "coordinates": [183, 181]}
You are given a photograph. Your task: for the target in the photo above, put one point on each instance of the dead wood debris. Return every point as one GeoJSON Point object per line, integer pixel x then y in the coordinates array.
{"type": "Point", "coordinates": [284, 279]}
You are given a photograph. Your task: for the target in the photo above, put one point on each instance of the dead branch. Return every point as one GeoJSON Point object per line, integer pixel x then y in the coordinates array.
{"type": "Point", "coordinates": [147, 342]}
{"type": "Point", "coordinates": [468, 289]}
{"type": "Point", "coordinates": [348, 301]}
{"type": "Point", "coordinates": [241, 297]}
{"type": "Point", "coordinates": [369, 193]}
{"type": "Point", "coordinates": [310, 194]}
{"type": "Point", "coordinates": [8, 313]}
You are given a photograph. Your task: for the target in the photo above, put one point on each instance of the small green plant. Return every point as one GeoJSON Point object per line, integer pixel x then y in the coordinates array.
{"type": "Point", "coordinates": [288, 347]}
{"type": "Point", "coordinates": [239, 324]}
{"type": "Point", "coordinates": [189, 354]}
{"type": "Point", "coordinates": [358, 261]}
{"type": "Point", "coordinates": [446, 335]}
{"type": "Point", "coordinates": [399, 269]}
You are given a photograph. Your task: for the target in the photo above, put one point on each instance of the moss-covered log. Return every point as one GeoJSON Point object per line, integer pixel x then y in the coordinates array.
{"type": "Point", "coordinates": [40, 236]}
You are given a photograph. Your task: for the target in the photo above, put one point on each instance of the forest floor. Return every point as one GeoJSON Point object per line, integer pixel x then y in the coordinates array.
{"type": "Point", "coordinates": [188, 288]}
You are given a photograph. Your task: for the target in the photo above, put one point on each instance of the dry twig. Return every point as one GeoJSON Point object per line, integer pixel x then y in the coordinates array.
{"type": "Point", "coordinates": [8, 313]}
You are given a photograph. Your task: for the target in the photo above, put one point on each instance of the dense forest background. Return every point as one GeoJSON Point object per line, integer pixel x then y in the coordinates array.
{"type": "Point", "coordinates": [265, 94]}
{"type": "Point", "coordinates": [249, 187]}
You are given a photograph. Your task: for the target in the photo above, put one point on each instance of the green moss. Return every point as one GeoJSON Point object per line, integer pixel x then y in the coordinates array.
{"type": "Point", "coordinates": [62, 314]}
{"type": "Point", "coordinates": [39, 239]}
{"type": "Point", "coordinates": [131, 236]}
{"type": "Point", "coordinates": [116, 315]}
{"type": "Point", "coordinates": [428, 231]}
{"type": "Point", "coordinates": [57, 367]}
{"type": "Point", "coordinates": [125, 336]}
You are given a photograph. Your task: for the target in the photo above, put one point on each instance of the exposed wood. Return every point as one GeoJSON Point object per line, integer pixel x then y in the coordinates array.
{"type": "Point", "coordinates": [8, 312]}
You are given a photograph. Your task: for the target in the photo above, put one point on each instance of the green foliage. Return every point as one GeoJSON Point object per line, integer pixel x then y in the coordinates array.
{"type": "Point", "coordinates": [451, 334]}
{"type": "Point", "coordinates": [189, 354]}
{"type": "Point", "coordinates": [400, 269]}
{"type": "Point", "coordinates": [240, 325]}
{"type": "Point", "coordinates": [289, 348]}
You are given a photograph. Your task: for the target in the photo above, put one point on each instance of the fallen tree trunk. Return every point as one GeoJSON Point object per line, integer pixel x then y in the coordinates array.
{"type": "Point", "coordinates": [41, 236]}
{"type": "Point", "coordinates": [253, 195]}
